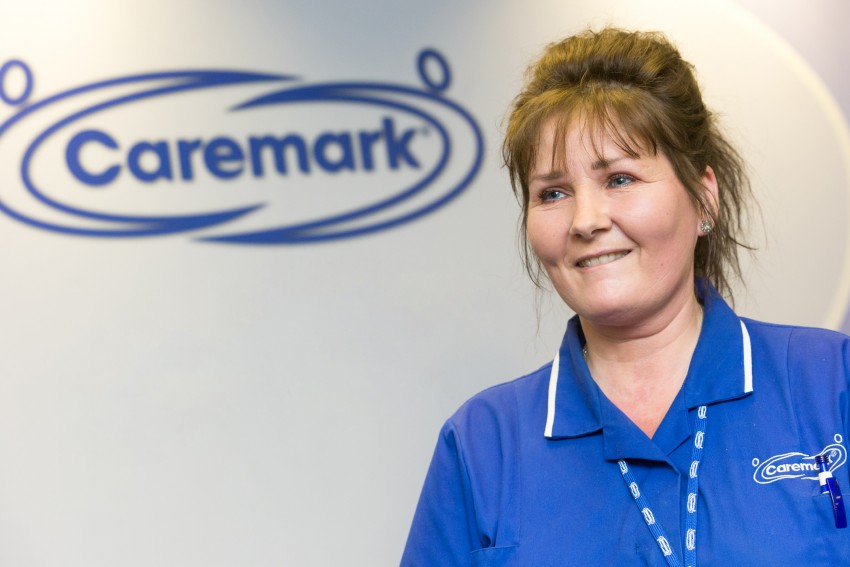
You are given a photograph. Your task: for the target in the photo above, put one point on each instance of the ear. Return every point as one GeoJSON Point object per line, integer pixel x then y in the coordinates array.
{"type": "Point", "coordinates": [709, 184]}
{"type": "Point", "coordinates": [712, 200]}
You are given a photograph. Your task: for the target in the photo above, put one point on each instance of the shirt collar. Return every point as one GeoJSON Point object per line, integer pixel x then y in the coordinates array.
{"type": "Point", "coordinates": [720, 370]}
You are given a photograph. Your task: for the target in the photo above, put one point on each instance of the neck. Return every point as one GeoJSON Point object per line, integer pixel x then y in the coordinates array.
{"type": "Point", "coordinates": [641, 370]}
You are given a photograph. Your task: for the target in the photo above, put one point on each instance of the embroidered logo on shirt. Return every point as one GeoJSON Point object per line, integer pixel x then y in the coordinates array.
{"type": "Point", "coordinates": [798, 465]}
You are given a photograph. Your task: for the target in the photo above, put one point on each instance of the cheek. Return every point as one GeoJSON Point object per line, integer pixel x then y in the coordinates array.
{"type": "Point", "coordinates": [545, 238]}
{"type": "Point", "coordinates": [650, 212]}
{"type": "Point", "coordinates": [661, 221]}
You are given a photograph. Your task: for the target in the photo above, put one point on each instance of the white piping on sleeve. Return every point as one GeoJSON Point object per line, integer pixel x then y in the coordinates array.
{"type": "Point", "coordinates": [553, 389]}
{"type": "Point", "coordinates": [748, 360]}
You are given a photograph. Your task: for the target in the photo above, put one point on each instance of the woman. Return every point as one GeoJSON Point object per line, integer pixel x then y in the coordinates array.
{"type": "Point", "coordinates": [667, 430]}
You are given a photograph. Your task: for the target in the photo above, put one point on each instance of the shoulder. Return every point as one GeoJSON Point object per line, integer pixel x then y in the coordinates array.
{"type": "Point", "coordinates": [803, 351]}
{"type": "Point", "coordinates": [796, 337]}
{"type": "Point", "coordinates": [503, 406]}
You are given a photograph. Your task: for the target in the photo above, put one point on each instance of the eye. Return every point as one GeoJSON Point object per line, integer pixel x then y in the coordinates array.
{"type": "Point", "coordinates": [620, 180]}
{"type": "Point", "coordinates": [552, 195]}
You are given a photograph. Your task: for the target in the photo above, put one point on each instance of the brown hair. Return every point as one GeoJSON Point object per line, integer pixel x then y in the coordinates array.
{"type": "Point", "coordinates": [636, 88]}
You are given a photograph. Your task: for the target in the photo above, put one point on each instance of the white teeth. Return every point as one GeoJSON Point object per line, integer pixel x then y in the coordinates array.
{"type": "Point", "coordinates": [599, 260]}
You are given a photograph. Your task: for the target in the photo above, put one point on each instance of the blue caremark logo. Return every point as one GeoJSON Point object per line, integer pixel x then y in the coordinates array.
{"type": "Point", "coordinates": [798, 465]}
{"type": "Point", "coordinates": [413, 149]}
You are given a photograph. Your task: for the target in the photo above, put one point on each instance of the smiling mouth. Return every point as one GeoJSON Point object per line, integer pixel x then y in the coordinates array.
{"type": "Point", "coordinates": [599, 260]}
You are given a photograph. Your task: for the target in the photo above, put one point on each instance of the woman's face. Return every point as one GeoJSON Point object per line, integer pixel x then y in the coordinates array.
{"type": "Point", "coordinates": [616, 234]}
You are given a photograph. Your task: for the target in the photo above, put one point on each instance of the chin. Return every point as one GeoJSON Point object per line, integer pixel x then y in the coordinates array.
{"type": "Point", "coordinates": [601, 298]}
{"type": "Point", "coordinates": [622, 317]}
{"type": "Point", "coordinates": [616, 307]}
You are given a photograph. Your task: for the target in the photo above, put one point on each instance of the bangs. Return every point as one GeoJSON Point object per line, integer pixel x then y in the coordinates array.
{"type": "Point", "coordinates": [623, 116]}
{"type": "Point", "coordinates": [631, 118]}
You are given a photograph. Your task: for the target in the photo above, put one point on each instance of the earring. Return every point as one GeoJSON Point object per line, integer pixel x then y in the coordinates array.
{"type": "Point", "coordinates": [705, 227]}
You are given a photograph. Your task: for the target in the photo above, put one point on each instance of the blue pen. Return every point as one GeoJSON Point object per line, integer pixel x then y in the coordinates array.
{"type": "Point", "coordinates": [830, 485]}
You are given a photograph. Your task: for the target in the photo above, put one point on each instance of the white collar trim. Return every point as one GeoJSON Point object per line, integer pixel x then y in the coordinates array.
{"type": "Point", "coordinates": [553, 389]}
{"type": "Point", "coordinates": [553, 379]}
{"type": "Point", "coordinates": [748, 360]}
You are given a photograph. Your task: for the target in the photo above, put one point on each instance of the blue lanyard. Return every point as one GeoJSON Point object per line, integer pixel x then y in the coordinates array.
{"type": "Point", "coordinates": [691, 520]}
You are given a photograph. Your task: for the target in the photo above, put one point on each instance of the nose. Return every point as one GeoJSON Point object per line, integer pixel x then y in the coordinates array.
{"type": "Point", "coordinates": [590, 214]}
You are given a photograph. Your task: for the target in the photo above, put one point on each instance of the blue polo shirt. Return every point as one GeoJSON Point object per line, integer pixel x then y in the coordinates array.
{"type": "Point", "coordinates": [526, 473]}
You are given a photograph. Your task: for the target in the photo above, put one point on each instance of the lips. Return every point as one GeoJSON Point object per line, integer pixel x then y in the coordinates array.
{"type": "Point", "coordinates": [601, 259]}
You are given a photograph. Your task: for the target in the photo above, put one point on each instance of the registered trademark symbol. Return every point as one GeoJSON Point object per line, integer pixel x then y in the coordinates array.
{"type": "Point", "coordinates": [755, 462]}
{"type": "Point", "coordinates": [15, 82]}
{"type": "Point", "coordinates": [435, 79]}
{"type": "Point", "coordinates": [838, 438]}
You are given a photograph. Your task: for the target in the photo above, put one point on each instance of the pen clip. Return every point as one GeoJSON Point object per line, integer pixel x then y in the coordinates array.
{"type": "Point", "coordinates": [828, 483]}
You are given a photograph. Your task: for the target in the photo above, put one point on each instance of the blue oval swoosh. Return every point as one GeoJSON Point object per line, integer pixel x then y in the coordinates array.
{"type": "Point", "coordinates": [322, 229]}
{"type": "Point", "coordinates": [146, 225]}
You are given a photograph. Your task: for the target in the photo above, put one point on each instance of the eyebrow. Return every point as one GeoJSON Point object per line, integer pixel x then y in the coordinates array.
{"type": "Point", "coordinates": [550, 176]}
{"type": "Point", "coordinates": [601, 163]}
{"type": "Point", "coordinates": [606, 163]}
